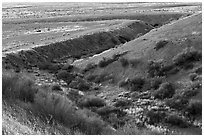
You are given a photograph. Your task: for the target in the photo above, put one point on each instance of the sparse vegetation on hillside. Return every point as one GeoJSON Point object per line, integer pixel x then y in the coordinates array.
{"type": "Point", "coordinates": [52, 105]}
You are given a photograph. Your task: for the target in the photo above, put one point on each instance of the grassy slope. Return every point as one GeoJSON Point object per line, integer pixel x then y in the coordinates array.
{"type": "Point", "coordinates": [181, 34]}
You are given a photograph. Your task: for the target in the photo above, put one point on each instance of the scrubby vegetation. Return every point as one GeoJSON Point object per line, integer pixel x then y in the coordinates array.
{"type": "Point", "coordinates": [154, 68]}
{"type": "Point", "coordinates": [80, 84]}
{"type": "Point", "coordinates": [175, 120]}
{"type": "Point", "coordinates": [122, 103]}
{"type": "Point", "coordinates": [101, 78]}
{"type": "Point", "coordinates": [65, 75]}
{"type": "Point", "coordinates": [155, 116]}
{"type": "Point", "coordinates": [161, 44]}
{"type": "Point", "coordinates": [187, 57]}
{"type": "Point", "coordinates": [16, 86]}
{"type": "Point", "coordinates": [134, 62]}
{"type": "Point", "coordinates": [133, 84]}
{"type": "Point", "coordinates": [53, 105]}
{"type": "Point", "coordinates": [106, 61]}
{"type": "Point", "coordinates": [166, 90]}
{"type": "Point", "coordinates": [88, 67]}
{"type": "Point", "coordinates": [92, 102]}
{"type": "Point", "coordinates": [177, 102]}
{"type": "Point", "coordinates": [124, 62]}
{"type": "Point", "coordinates": [194, 109]}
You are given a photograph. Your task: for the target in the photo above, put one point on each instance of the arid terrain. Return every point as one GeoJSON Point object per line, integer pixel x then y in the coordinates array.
{"type": "Point", "coordinates": [102, 68]}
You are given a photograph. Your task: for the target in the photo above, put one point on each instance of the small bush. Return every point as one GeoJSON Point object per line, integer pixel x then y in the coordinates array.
{"type": "Point", "coordinates": [161, 44]}
{"type": "Point", "coordinates": [198, 70]}
{"type": "Point", "coordinates": [155, 116]}
{"type": "Point", "coordinates": [136, 83]}
{"type": "Point", "coordinates": [104, 77]}
{"type": "Point", "coordinates": [177, 102]}
{"type": "Point", "coordinates": [122, 103]}
{"type": "Point", "coordinates": [124, 62]}
{"type": "Point", "coordinates": [56, 87]}
{"type": "Point", "coordinates": [54, 67]}
{"type": "Point", "coordinates": [105, 62]}
{"type": "Point", "coordinates": [43, 65]}
{"type": "Point", "coordinates": [176, 121]}
{"type": "Point", "coordinates": [187, 56]}
{"type": "Point", "coordinates": [188, 93]}
{"type": "Point", "coordinates": [66, 76]}
{"type": "Point", "coordinates": [106, 110]}
{"type": "Point", "coordinates": [123, 83]}
{"type": "Point", "coordinates": [134, 62]}
{"type": "Point", "coordinates": [89, 66]}
{"type": "Point", "coordinates": [194, 109]}
{"type": "Point", "coordinates": [67, 67]}
{"type": "Point", "coordinates": [18, 86]}
{"type": "Point", "coordinates": [192, 76]}
{"type": "Point", "coordinates": [154, 68]}
{"type": "Point", "coordinates": [91, 77]}
{"type": "Point", "coordinates": [156, 82]}
{"type": "Point", "coordinates": [92, 102]}
{"type": "Point", "coordinates": [166, 90]}
{"type": "Point", "coordinates": [64, 111]}
{"type": "Point", "coordinates": [80, 84]}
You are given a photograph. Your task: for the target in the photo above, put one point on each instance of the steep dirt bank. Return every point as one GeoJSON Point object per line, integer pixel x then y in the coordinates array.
{"type": "Point", "coordinates": [77, 47]}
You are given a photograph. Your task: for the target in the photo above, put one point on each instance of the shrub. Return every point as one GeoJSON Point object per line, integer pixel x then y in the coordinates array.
{"type": "Point", "coordinates": [136, 83]}
{"type": "Point", "coordinates": [166, 90]}
{"type": "Point", "coordinates": [104, 77]}
{"type": "Point", "coordinates": [43, 65]}
{"type": "Point", "coordinates": [155, 116]}
{"type": "Point", "coordinates": [156, 82]}
{"type": "Point", "coordinates": [18, 86]}
{"type": "Point", "coordinates": [177, 102]}
{"type": "Point", "coordinates": [123, 83]}
{"type": "Point", "coordinates": [161, 44]}
{"type": "Point", "coordinates": [105, 62]}
{"type": "Point", "coordinates": [63, 110]}
{"type": "Point", "coordinates": [192, 76]}
{"type": "Point", "coordinates": [90, 123]}
{"type": "Point", "coordinates": [122, 103]}
{"type": "Point", "coordinates": [134, 62]}
{"type": "Point", "coordinates": [89, 66]}
{"type": "Point", "coordinates": [124, 62]}
{"type": "Point", "coordinates": [176, 121]}
{"type": "Point", "coordinates": [80, 84]}
{"type": "Point", "coordinates": [198, 70]}
{"type": "Point", "coordinates": [91, 77]}
{"type": "Point", "coordinates": [154, 68]}
{"type": "Point", "coordinates": [56, 87]}
{"type": "Point", "coordinates": [187, 56]}
{"type": "Point", "coordinates": [67, 67]}
{"type": "Point", "coordinates": [54, 67]}
{"type": "Point", "coordinates": [194, 109]}
{"type": "Point", "coordinates": [66, 76]}
{"type": "Point", "coordinates": [92, 102]}
{"type": "Point", "coordinates": [106, 110]}
{"type": "Point", "coordinates": [188, 93]}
